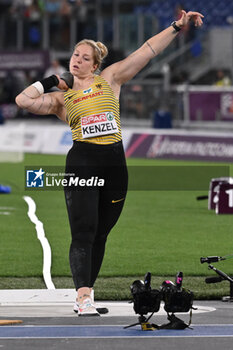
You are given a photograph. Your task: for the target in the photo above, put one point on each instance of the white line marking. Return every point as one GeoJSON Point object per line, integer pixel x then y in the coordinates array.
{"type": "Point", "coordinates": [5, 213]}
{"type": "Point", "coordinates": [47, 255]}
{"type": "Point", "coordinates": [7, 208]}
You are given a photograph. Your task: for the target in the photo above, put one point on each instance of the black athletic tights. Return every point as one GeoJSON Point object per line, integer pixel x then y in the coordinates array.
{"type": "Point", "coordinates": [93, 211]}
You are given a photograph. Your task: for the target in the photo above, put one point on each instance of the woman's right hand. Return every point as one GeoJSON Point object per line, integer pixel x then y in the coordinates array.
{"type": "Point", "coordinates": [62, 84]}
{"type": "Point", "coordinates": [68, 79]}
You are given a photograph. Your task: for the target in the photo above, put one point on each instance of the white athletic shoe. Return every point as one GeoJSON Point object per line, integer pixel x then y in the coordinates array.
{"type": "Point", "coordinates": [76, 307]}
{"type": "Point", "coordinates": [100, 309]}
{"type": "Point", "coordinates": [87, 308]}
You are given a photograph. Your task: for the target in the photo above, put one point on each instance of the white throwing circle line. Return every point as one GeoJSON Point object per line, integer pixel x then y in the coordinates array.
{"type": "Point", "coordinates": [47, 255]}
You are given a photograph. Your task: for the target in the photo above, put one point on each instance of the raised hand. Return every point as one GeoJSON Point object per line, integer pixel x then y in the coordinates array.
{"type": "Point", "coordinates": [186, 17]}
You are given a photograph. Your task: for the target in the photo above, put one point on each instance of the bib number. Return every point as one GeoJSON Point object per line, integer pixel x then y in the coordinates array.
{"type": "Point", "coordinates": [98, 125]}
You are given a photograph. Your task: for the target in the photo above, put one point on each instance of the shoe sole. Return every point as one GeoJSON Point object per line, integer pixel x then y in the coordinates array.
{"type": "Point", "coordinates": [100, 310]}
{"type": "Point", "coordinates": [88, 315]}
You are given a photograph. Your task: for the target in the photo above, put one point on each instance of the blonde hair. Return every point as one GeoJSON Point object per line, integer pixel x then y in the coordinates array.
{"type": "Point", "coordinates": [100, 51]}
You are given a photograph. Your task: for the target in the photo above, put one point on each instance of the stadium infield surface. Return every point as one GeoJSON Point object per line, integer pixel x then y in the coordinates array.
{"type": "Point", "coordinates": [161, 231]}
{"type": "Point", "coordinates": [48, 321]}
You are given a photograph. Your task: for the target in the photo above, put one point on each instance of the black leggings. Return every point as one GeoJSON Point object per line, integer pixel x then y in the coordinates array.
{"type": "Point", "coordinates": [93, 211]}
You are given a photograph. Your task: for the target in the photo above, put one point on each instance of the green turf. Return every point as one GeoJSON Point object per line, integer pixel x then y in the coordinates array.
{"type": "Point", "coordinates": [159, 231]}
{"type": "Point", "coordinates": [118, 288]}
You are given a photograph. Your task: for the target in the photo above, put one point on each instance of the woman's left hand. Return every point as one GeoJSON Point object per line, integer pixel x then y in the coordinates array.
{"type": "Point", "coordinates": [186, 17]}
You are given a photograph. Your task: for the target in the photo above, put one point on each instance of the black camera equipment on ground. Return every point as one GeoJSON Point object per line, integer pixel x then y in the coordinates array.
{"type": "Point", "coordinates": [222, 275]}
{"type": "Point", "coordinates": [176, 299]}
{"type": "Point", "coordinates": [147, 300]}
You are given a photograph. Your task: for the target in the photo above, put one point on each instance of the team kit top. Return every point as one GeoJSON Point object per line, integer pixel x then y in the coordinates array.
{"type": "Point", "coordinates": [93, 114]}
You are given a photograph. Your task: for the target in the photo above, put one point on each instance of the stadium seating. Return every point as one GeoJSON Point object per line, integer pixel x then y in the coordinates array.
{"type": "Point", "coordinates": [216, 12]}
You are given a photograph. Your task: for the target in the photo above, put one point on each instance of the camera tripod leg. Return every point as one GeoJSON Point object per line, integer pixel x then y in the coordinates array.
{"type": "Point", "coordinates": [175, 323]}
{"type": "Point", "coordinates": [229, 298]}
{"type": "Point", "coordinates": [141, 319]}
{"type": "Point", "coordinates": [145, 325]}
{"type": "Point", "coordinates": [132, 325]}
{"type": "Point", "coordinates": [223, 277]}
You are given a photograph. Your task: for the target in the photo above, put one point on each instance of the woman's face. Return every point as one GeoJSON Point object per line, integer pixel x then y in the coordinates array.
{"type": "Point", "coordinates": [82, 61]}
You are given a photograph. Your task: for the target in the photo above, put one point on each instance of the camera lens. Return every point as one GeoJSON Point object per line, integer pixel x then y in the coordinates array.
{"type": "Point", "coordinates": [137, 287]}
{"type": "Point", "coordinates": [167, 283]}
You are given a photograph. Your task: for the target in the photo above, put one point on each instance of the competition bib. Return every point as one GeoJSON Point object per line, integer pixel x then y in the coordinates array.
{"type": "Point", "coordinates": [98, 125]}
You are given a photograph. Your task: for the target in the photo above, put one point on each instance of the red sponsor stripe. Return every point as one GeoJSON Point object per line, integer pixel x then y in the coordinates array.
{"type": "Point", "coordinates": [95, 118]}
{"type": "Point", "coordinates": [136, 144]}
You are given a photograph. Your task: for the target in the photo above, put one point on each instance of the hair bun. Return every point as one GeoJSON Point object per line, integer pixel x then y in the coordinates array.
{"type": "Point", "coordinates": [103, 49]}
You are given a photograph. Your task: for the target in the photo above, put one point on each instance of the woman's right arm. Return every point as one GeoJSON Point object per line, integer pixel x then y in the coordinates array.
{"type": "Point", "coordinates": [43, 104]}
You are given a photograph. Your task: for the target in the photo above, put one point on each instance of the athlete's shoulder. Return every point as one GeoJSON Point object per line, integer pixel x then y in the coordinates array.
{"type": "Point", "coordinates": [100, 79]}
{"type": "Point", "coordinates": [105, 76]}
{"type": "Point", "coordinates": [108, 76]}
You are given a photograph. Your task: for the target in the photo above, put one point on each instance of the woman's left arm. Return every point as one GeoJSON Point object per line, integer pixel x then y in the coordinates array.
{"type": "Point", "coordinates": [122, 71]}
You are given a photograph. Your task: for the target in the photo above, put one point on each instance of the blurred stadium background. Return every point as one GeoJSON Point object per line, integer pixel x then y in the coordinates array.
{"type": "Point", "coordinates": [180, 107]}
{"type": "Point", "coordinates": [192, 63]}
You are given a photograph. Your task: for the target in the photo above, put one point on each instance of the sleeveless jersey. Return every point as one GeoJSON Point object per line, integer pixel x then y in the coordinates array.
{"type": "Point", "coordinates": [93, 114]}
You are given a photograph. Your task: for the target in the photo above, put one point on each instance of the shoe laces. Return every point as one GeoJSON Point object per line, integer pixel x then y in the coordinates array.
{"type": "Point", "coordinates": [86, 304]}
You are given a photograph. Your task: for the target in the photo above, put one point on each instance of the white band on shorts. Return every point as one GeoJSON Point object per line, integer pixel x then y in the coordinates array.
{"type": "Point", "coordinates": [39, 87]}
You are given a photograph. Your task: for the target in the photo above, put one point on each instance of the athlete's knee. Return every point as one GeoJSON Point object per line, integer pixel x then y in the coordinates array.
{"type": "Point", "coordinates": [83, 238]}
{"type": "Point", "coordinates": [101, 238]}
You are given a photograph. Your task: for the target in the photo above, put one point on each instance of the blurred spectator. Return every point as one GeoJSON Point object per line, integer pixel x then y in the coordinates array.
{"type": "Point", "coordinates": [34, 10]}
{"type": "Point", "coordinates": [65, 9]}
{"type": "Point", "coordinates": [60, 13]}
{"type": "Point", "coordinates": [65, 12]}
{"type": "Point", "coordinates": [55, 68]}
{"type": "Point", "coordinates": [11, 82]}
{"type": "Point", "coordinates": [19, 7]}
{"type": "Point", "coordinates": [16, 11]}
{"type": "Point", "coordinates": [79, 12]}
{"type": "Point", "coordinates": [34, 13]}
{"type": "Point", "coordinates": [52, 6]}
{"type": "Point", "coordinates": [11, 85]}
{"type": "Point", "coordinates": [1, 117]}
{"type": "Point", "coordinates": [31, 11]}
{"type": "Point", "coordinates": [222, 79]}
{"type": "Point", "coordinates": [52, 9]}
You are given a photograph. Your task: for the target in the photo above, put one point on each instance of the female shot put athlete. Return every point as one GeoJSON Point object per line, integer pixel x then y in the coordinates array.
{"type": "Point", "coordinates": [89, 103]}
